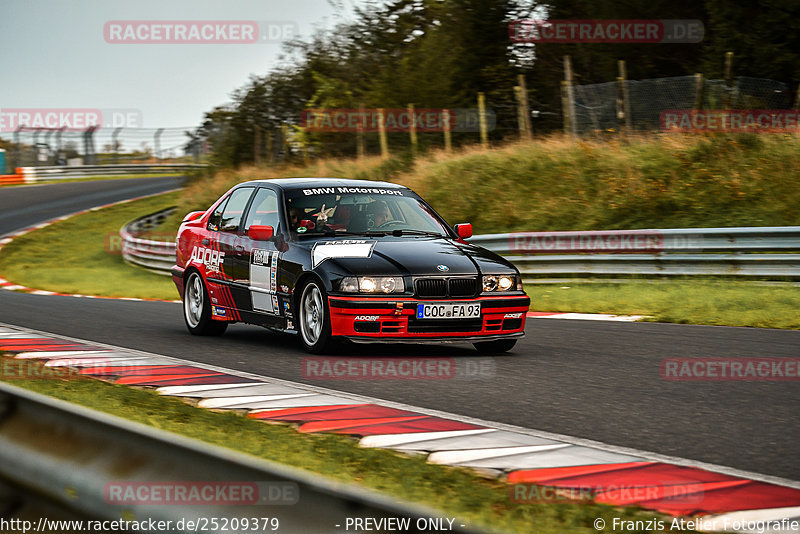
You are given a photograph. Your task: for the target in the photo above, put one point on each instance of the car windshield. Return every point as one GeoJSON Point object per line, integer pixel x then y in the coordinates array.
{"type": "Point", "coordinates": [357, 210]}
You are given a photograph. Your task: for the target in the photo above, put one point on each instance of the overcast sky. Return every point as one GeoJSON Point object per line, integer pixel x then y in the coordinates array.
{"type": "Point", "coordinates": [53, 54]}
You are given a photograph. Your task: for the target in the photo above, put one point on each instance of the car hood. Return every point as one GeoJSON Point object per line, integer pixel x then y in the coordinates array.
{"type": "Point", "coordinates": [408, 255]}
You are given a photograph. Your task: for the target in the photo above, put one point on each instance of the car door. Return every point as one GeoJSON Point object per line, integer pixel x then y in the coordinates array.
{"type": "Point", "coordinates": [225, 237]}
{"type": "Point", "coordinates": [259, 263]}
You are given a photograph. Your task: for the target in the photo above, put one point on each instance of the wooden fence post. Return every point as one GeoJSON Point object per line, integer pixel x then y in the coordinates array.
{"type": "Point", "coordinates": [360, 132]}
{"type": "Point", "coordinates": [482, 120]}
{"type": "Point", "coordinates": [412, 129]}
{"type": "Point", "coordinates": [623, 100]}
{"type": "Point", "coordinates": [448, 142]}
{"type": "Point", "coordinates": [698, 91]}
{"type": "Point", "coordinates": [728, 79]}
{"type": "Point", "coordinates": [524, 112]}
{"type": "Point", "coordinates": [382, 132]}
{"type": "Point", "coordinates": [568, 98]}
{"type": "Point", "coordinates": [797, 98]}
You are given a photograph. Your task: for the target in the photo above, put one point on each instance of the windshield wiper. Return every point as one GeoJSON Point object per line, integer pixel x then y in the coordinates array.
{"type": "Point", "coordinates": [399, 232]}
{"type": "Point", "coordinates": [330, 233]}
{"type": "Point", "coordinates": [372, 233]}
{"type": "Point", "coordinates": [333, 233]}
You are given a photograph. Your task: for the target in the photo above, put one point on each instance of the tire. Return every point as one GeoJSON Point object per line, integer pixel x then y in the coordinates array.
{"type": "Point", "coordinates": [314, 318]}
{"type": "Point", "coordinates": [495, 347]}
{"type": "Point", "coordinates": [197, 309]}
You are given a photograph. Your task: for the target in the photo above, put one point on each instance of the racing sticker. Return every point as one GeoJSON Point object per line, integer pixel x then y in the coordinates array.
{"type": "Point", "coordinates": [347, 248]}
{"type": "Point", "coordinates": [351, 190]}
{"type": "Point", "coordinates": [218, 311]}
{"type": "Point", "coordinates": [212, 259]}
{"type": "Point", "coordinates": [273, 281]}
{"type": "Point", "coordinates": [263, 281]}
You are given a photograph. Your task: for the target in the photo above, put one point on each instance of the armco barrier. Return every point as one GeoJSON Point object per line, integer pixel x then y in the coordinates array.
{"type": "Point", "coordinates": [746, 251]}
{"type": "Point", "coordinates": [769, 252]}
{"type": "Point", "coordinates": [37, 174]}
{"type": "Point", "coordinates": [86, 452]}
{"type": "Point", "coordinates": [158, 256]}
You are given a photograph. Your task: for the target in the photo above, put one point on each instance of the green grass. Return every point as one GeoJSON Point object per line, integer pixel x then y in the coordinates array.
{"type": "Point", "coordinates": [82, 255]}
{"type": "Point", "coordinates": [713, 302]}
{"type": "Point", "coordinates": [663, 182]}
{"type": "Point", "coordinates": [455, 491]}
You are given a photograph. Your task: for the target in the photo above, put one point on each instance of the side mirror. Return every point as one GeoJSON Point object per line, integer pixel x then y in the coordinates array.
{"type": "Point", "coordinates": [193, 216]}
{"type": "Point", "coordinates": [464, 230]}
{"type": "Point", "coordinates": [259, 232]}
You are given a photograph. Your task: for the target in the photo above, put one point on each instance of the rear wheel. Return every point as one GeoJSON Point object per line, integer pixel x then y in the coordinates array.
{"type": "Point", "coordinates": [315, 321]}
{"type": "Point", "coordinates": [197, 309]}
{"type": "Point", "coordinates": [495, 347]}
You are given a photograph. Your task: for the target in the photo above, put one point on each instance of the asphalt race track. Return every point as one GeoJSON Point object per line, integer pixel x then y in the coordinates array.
{"type": "Point", "coordinates": [26, 205]}
{"type": "Point", "coordinates": [591, 379]}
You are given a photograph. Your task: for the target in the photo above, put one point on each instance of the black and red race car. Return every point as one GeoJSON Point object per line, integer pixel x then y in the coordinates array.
{"type": "Point", "coordinates": [333, 259]}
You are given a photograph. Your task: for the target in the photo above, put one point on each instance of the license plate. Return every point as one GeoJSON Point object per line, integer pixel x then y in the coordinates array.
{"type": "Point", "coordinates": [448, 310]}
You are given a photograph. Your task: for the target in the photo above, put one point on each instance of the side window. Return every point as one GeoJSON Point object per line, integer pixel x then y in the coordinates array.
{"type": "Point", "coordinates": [216, 217]}
{"type": "Point", "coordinates": [263, 210]}
{"type": "Point", "coordinates": [234, 209]}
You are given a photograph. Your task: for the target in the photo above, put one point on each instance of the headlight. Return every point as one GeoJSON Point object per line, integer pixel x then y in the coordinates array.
{"type": "Point", "coordinates": [349, 284]}
{"type": "Point", "coordinates": [372, 284]}
{"type": "Point", "coordinates": [499, 282]}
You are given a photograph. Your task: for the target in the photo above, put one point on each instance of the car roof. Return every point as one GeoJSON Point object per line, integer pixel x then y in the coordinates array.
{"type": "Point", "coordinates": [302, 183]}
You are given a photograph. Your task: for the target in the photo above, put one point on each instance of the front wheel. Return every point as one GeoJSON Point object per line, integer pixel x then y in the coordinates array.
{"type": "Point", "coordinates": [495, 347]}
{"type": "Point", "coordinates": [197, 309]}
{"type": "Point", "coordinates": [315, 322]}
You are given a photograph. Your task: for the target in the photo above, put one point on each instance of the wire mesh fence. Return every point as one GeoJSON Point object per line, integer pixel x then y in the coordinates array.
{"type": "Point", "coordinates": [587, 109]}
{"type": "Point", "coordinates": [603, 106]}
{"type": "Point", "coordinates": [33, 147]}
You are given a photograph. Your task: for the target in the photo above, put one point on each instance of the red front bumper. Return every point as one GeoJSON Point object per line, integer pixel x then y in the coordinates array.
{"type": "Point", "coordinates": [394, 319]}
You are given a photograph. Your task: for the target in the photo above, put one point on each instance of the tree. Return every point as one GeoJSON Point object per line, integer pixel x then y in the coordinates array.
{"type": "Point", "coordinates": [764, 36]}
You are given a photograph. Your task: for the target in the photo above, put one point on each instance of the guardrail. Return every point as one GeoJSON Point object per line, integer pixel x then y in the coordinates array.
{"type": "Point", "coordinates": [38, 174]}
{"type": "Point", "coordinates": [79, 459]}
{"type": "Point", "coordinates": [745, 251]}
{"type": "Point", "coordinates": [158, 256]}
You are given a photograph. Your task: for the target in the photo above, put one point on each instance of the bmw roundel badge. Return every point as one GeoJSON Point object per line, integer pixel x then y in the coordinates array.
{"type": "Point", "coordinates": [443, 268]}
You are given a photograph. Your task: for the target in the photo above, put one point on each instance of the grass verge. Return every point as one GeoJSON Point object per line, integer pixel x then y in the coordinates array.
{"type": "Point", "coordinates": [83, 255]}
{"type": "Point", "coordinates": [712, 302]}
{"type": "Point", "coordinates": [455, 491]}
